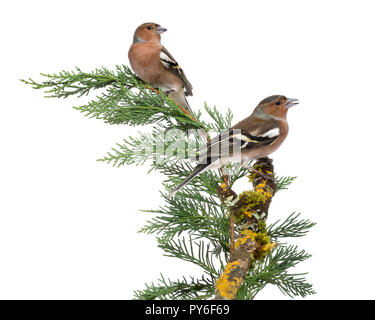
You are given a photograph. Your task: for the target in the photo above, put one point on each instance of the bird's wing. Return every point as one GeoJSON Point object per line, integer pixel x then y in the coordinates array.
{"type": "Point", "coordinates": [171, 64]}
{"type": "Point", "coordinates": [254, 134]}
{"type": "Point", "coordinates": [246, 135]}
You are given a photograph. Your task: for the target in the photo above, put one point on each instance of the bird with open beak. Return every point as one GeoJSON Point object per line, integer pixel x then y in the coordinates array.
{"type": "Point", "coordinates": [255, 137]}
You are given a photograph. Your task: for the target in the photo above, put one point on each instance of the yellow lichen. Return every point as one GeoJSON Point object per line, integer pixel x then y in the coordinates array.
{"type": "Point", "coordinates": [268, 246]}
{"type": "Point", "coordinates": [264, 244]}
{"type": "Point", "coordinates": [226, 287]}
{"type": "Point", "coordinates": [261, 187]}
{"type": "Point", "coordinates": [244, 236]}
{"type": "Point", "coordinates": [224, 187]}
{"type": "Point", "coordinates": [228, 284]}
{"type": "Point", "coordinates": [248, 213]}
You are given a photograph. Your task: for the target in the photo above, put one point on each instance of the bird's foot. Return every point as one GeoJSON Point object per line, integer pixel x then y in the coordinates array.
{"type": "Point", "coordinates": [252, 170]}
{"type": "Point", "coordinates": [154, 90]}
{"type": "Point", "coordinates": [168, 92]}
{"type": "Point", "coordinates": [263, 175]}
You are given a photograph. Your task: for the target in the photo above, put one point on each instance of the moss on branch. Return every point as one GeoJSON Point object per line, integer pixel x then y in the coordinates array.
{"type": "Point", "coordinates": [253, 243]}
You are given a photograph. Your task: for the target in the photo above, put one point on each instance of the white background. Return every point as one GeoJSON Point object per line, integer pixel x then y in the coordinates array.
{"type": "Point", "coordinates": [68, 224]}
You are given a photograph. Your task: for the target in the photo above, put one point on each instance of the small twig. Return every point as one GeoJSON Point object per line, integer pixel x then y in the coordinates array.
{"type": "Point", "coordinates": [239, 263]}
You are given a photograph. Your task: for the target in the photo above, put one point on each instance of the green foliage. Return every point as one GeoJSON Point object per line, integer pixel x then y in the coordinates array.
{"type": "Point", "coordinates": [193, 226]}
{"type": "Point", "coordinates": [193, 289]}
{"type": "Point", "coordinates": [290, 228]}
{"type": "Point", "coordinates": [193, 213]}
{"type": "Point", "coordinates": [69, 83]}
{"type": "Point", "coordinates": [274, 270]}
{"type": "Point", "coordinates": [284, 182]}
{"type": "Point", "coordinates": [196, 252]}
{"type": "Point", "coordinates": [125, 100]}
{"type": "Point", "coordinates": [220, 122]}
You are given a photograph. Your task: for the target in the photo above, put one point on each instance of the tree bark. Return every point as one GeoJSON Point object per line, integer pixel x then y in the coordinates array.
{"type": "Point", "coordinates": [249, 211]}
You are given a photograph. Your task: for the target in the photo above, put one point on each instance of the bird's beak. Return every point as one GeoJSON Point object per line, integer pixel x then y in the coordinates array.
{"type": "Point", "coordinates": [290, 102]}
{"type": "Point", "coordinates": [160, 30]}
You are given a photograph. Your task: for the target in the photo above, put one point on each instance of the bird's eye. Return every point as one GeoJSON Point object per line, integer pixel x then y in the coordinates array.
{"type": "Point", "coordinates": [149, 27]}
{"type": "Point", "coordinates": [277, 103]}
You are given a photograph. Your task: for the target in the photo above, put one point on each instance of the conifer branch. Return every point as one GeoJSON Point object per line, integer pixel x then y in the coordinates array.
{"type": "Point", "coordinates": [283, 182]}
{"type": "Point", "coordinates": [274, 270]}
{"type": "Point", "coordinates": [193, 226]}
{"type": "Point", "coordinates": [166, 289]}
{"type": "Point", "coordinates": [125, 100]}
{"type": "Point", "coordinates": [290, 228]}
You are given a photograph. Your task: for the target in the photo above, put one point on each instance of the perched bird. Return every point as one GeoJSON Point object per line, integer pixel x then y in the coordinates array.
{"type": "Point", "coordinates": [155, 65]}
{"type": "Point", "coordinates": [255, 137]}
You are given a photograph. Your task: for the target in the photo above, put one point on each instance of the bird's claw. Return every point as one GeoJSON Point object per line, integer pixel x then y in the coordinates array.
{"type": "Point", "coordinates": [168, 92]}
{"type": "Point", "coordinates": [154, 90]}
{"type": "Point", "coordinates": [263, 175]}
{"type": "Point", "coordinates": [252, 170]}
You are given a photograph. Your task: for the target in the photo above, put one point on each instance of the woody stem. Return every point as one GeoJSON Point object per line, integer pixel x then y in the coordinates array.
{"type": "Point", "coordinates": [246, 248]}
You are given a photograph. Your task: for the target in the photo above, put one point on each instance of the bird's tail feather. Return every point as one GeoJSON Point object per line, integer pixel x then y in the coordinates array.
{"type": "Point", "coordinates": [197, 170]}
{"type": "Point", "coordinates": [180, 98]}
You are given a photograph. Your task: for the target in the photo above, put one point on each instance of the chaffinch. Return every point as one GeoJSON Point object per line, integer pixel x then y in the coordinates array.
{"type": "Point", "coordinates": [155, 65]}
{"type": "Point", "coordinates": [255, 137]}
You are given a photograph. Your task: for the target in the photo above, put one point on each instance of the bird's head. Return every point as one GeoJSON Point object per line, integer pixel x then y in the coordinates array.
{"type": "Point", "coordinates": [148, 32]}
{"type": "Point", "coordinates": [275, 107]}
